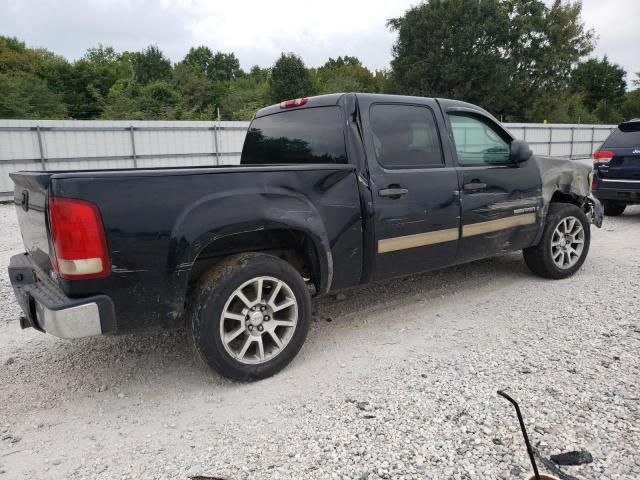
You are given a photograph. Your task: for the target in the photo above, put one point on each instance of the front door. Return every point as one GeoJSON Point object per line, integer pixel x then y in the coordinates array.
{"type": "Point", "coordinates": [500, 201]}
{"type": "Point", "coordinates": [414, 185]}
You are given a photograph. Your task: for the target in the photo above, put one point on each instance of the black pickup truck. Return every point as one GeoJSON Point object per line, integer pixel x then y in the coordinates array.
{"type": "Point", "coordinates": [332, 191]}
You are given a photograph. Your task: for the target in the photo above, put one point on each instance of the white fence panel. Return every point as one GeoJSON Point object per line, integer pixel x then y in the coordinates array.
{"type": "Point", "coordinates": [101, 144]}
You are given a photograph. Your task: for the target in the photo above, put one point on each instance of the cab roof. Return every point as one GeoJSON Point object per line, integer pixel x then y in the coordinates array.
{"type": "Point", "coordinates": [334, 99]}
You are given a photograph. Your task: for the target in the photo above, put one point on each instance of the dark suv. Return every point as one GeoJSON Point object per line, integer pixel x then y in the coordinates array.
{"type": "Point", "coordinates": [616, 165]}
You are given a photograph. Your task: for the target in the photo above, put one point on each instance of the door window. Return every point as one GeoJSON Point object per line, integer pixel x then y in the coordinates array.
{"type": "Point", "coordinates": [405, 136]}
{"type": "Point", "coordinates": [478, 142]}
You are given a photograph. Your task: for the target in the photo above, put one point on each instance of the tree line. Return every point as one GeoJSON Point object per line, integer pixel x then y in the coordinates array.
{"type": "Point", "coordinates": [519, 59]}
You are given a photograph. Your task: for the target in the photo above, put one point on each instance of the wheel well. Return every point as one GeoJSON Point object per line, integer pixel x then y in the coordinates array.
{"type": "Point", "coordinates": [561, 197]}
{"type": "Point", "coordinates": [293, 246]}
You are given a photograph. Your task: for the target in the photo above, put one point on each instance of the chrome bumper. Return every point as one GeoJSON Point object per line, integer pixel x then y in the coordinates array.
{"type": "Point", "coordinates": [48, 309]}
{"type": "Point", "coordinates": [73, 322]}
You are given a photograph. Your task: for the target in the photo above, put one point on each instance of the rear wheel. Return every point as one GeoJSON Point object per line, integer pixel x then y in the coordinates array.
{"type": "Point", "coordinates": [613, 209]}
{"type": "Point", "coordinates": [250, 316]}
{"type": "Point", "coordinates": [564, 244]}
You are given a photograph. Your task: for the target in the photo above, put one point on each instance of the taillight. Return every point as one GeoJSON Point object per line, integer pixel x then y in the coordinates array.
{"type": "Point", "coordinates": [79, 243]}
{"type": "Point", "coordinates": [602, 157]}
{"type": "Point", "coordinates": [296, 102]}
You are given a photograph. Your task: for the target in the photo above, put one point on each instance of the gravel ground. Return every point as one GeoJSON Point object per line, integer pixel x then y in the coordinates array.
{"type": "Point", "coordinates": [397, 380]}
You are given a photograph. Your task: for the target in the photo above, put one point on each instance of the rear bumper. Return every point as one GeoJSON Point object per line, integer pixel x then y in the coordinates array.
{"type": "Point", "coordinates": [48, 309]}
{"type": "Point", "coordinates": [623, 191]}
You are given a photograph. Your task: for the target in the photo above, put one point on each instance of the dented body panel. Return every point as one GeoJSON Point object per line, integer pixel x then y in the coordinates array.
{"type": "Point", "coordinates": [572, 178]}
{"type": "Point", "coordinates": [165, 226]}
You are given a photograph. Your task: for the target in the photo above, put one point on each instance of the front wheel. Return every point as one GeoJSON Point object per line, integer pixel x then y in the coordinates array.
{"type": "Point", "coordinates": [250, 316]}
{"type": "Point", "coordinates": [564, 244]}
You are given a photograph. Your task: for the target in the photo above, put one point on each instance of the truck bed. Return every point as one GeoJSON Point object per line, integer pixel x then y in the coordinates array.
{"type": "Point", "coordinates": [158, 222]}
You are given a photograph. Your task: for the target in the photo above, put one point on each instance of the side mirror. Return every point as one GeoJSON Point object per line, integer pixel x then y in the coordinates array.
{"type": "Point", "coordinates": [519, 152]}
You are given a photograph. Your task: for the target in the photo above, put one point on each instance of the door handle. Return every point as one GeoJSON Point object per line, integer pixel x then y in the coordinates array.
{"type": "Point", "coordinates": [393, 192]}
{"type": "Point", "coordinates": [473, 186]}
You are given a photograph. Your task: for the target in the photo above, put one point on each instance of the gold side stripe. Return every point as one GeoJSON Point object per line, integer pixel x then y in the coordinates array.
{"type": "Point", "coordinates": [500, 224]}
{"type": "Point", "coordinates": [450, 234]}
{"type": "Point", "coordinates": [417, 240]}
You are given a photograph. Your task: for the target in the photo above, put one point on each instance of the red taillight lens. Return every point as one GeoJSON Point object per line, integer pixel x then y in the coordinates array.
{"type": "Point", "coordinates": [602, 156]}
{"type": "Point", "coordinates": [79, 243]}
{"type": "Point", "coordinates": [296, 102]}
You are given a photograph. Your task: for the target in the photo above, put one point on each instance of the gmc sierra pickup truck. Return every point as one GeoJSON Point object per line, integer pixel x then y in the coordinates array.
{"type": "Point", "coordinates": [332, 191]}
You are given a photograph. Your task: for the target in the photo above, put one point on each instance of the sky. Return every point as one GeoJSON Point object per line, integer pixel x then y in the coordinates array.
{"type": "Point", "coordinates": [258, 31]}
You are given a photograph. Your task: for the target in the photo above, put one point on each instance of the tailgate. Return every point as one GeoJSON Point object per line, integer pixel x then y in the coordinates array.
{"type": "Point", "coordinates": [624, 165]}
{"type": "Point", "coordinates": [30, 196]}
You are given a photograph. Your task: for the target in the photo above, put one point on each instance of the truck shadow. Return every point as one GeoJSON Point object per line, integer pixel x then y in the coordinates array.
{"type": "Point", "coordinates": [158, 364]}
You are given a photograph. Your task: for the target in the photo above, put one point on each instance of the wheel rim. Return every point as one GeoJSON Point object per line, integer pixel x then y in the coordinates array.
{"type": "Point", "coordinates": [258, 320]}
{"type": "Point", "coordinates": [567, 243]}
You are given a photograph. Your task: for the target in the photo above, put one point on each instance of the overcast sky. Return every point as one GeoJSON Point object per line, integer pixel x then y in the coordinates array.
{"type": "Point", "coordinates": [257, 31]}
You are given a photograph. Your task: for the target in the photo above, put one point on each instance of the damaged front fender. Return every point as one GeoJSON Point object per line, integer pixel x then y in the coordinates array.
{"type": "Point", "coordinates": [570, 179]}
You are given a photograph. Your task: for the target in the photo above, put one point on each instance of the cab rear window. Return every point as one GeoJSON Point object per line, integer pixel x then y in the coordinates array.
{"type": "Point", "coordinates": [304, 136]}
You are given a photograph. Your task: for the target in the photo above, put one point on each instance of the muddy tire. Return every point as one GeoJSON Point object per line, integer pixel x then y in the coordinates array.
{"type": "Point", "coordinates": [249, 316]}
{"type": "Point", "coordinates": [564, 245]}
{"type": "Point", "coordinates": [613, 209]}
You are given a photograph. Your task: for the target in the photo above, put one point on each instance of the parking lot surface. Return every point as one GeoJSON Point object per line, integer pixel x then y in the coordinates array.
{"type": "Point", "coordinates": [396, 380]}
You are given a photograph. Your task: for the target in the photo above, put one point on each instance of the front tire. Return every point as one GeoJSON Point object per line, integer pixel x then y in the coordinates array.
{"type": "Point", "coordinates": [613, 209]}
{"type": "Point", "coordinates": [249, 316]}
{"type": "Point", "coordinates": [564, 245]}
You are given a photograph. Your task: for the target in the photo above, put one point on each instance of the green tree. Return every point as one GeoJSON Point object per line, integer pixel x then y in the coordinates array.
{"type": "Point", "coordinates": [289, 78]}
{"type": "Point", "coordinates": [123, 101]}
{"type": "Point", "coordinates": [246, 95]}
{"type": "Point", "coordinates": [607, 112]}
{"type": "Point", "coordinates": [199, 94]}
{"type": "Point", "coordinates": [599, 80]}
{"type": "Point", "coordinates": [32, 83]}
{"type": "Point", "coordinates": [159, 100]}
{"type": "Point", "coordinates": [217, 67]}
{"type": "Point", "coordinates": [199, 59]}
{"type": "Point", "coordinates": [25, 95]}
{"type": "Point", "coordinates": [345, 74]}
{"type": "Point", "coordinates": [90, 79]}
{"type": "Point", "coordinates": [631, 105]}
{"type": "Point", "coordinates": [559, 107]}
{"type": "Point", "coordinates": [496, 53]}
{"type": "Point", "coordinates": [224, 66]}
{"type": "Point", "coordinates": [150, 65]}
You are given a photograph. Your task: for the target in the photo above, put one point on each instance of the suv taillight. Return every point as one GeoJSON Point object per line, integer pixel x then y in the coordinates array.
{"type": "Point", "coordinates": [602, 157]}
{"type": "Point", "coordinates": [79, 243]}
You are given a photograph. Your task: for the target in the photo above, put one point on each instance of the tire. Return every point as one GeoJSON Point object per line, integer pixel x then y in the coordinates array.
{"type": "Point", "coordinates": [540, 258]}
{"type": "Point", "coordinates": [216, 309]}
{"type": "Point", "coordinates": [613, 209]}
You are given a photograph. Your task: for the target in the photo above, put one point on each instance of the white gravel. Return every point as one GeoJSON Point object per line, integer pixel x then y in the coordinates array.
{"type": "Point", "coordinates": [400, 384]}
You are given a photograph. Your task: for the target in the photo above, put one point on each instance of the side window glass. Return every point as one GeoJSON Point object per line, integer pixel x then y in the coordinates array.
{"type": "Point", "coordinates": [477, 142]}
{"type": "Point", "coordinates": [405, 136]}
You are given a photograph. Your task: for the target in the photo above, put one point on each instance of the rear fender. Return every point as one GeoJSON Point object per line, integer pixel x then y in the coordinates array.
{"type": "Point", "coordinates": [237, 211]}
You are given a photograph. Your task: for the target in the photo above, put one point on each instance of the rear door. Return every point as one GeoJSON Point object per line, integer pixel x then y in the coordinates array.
{"type": "Point", "coordinates": [414, 186]}
{"type": "Point", "coordinates": [500, 201]}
